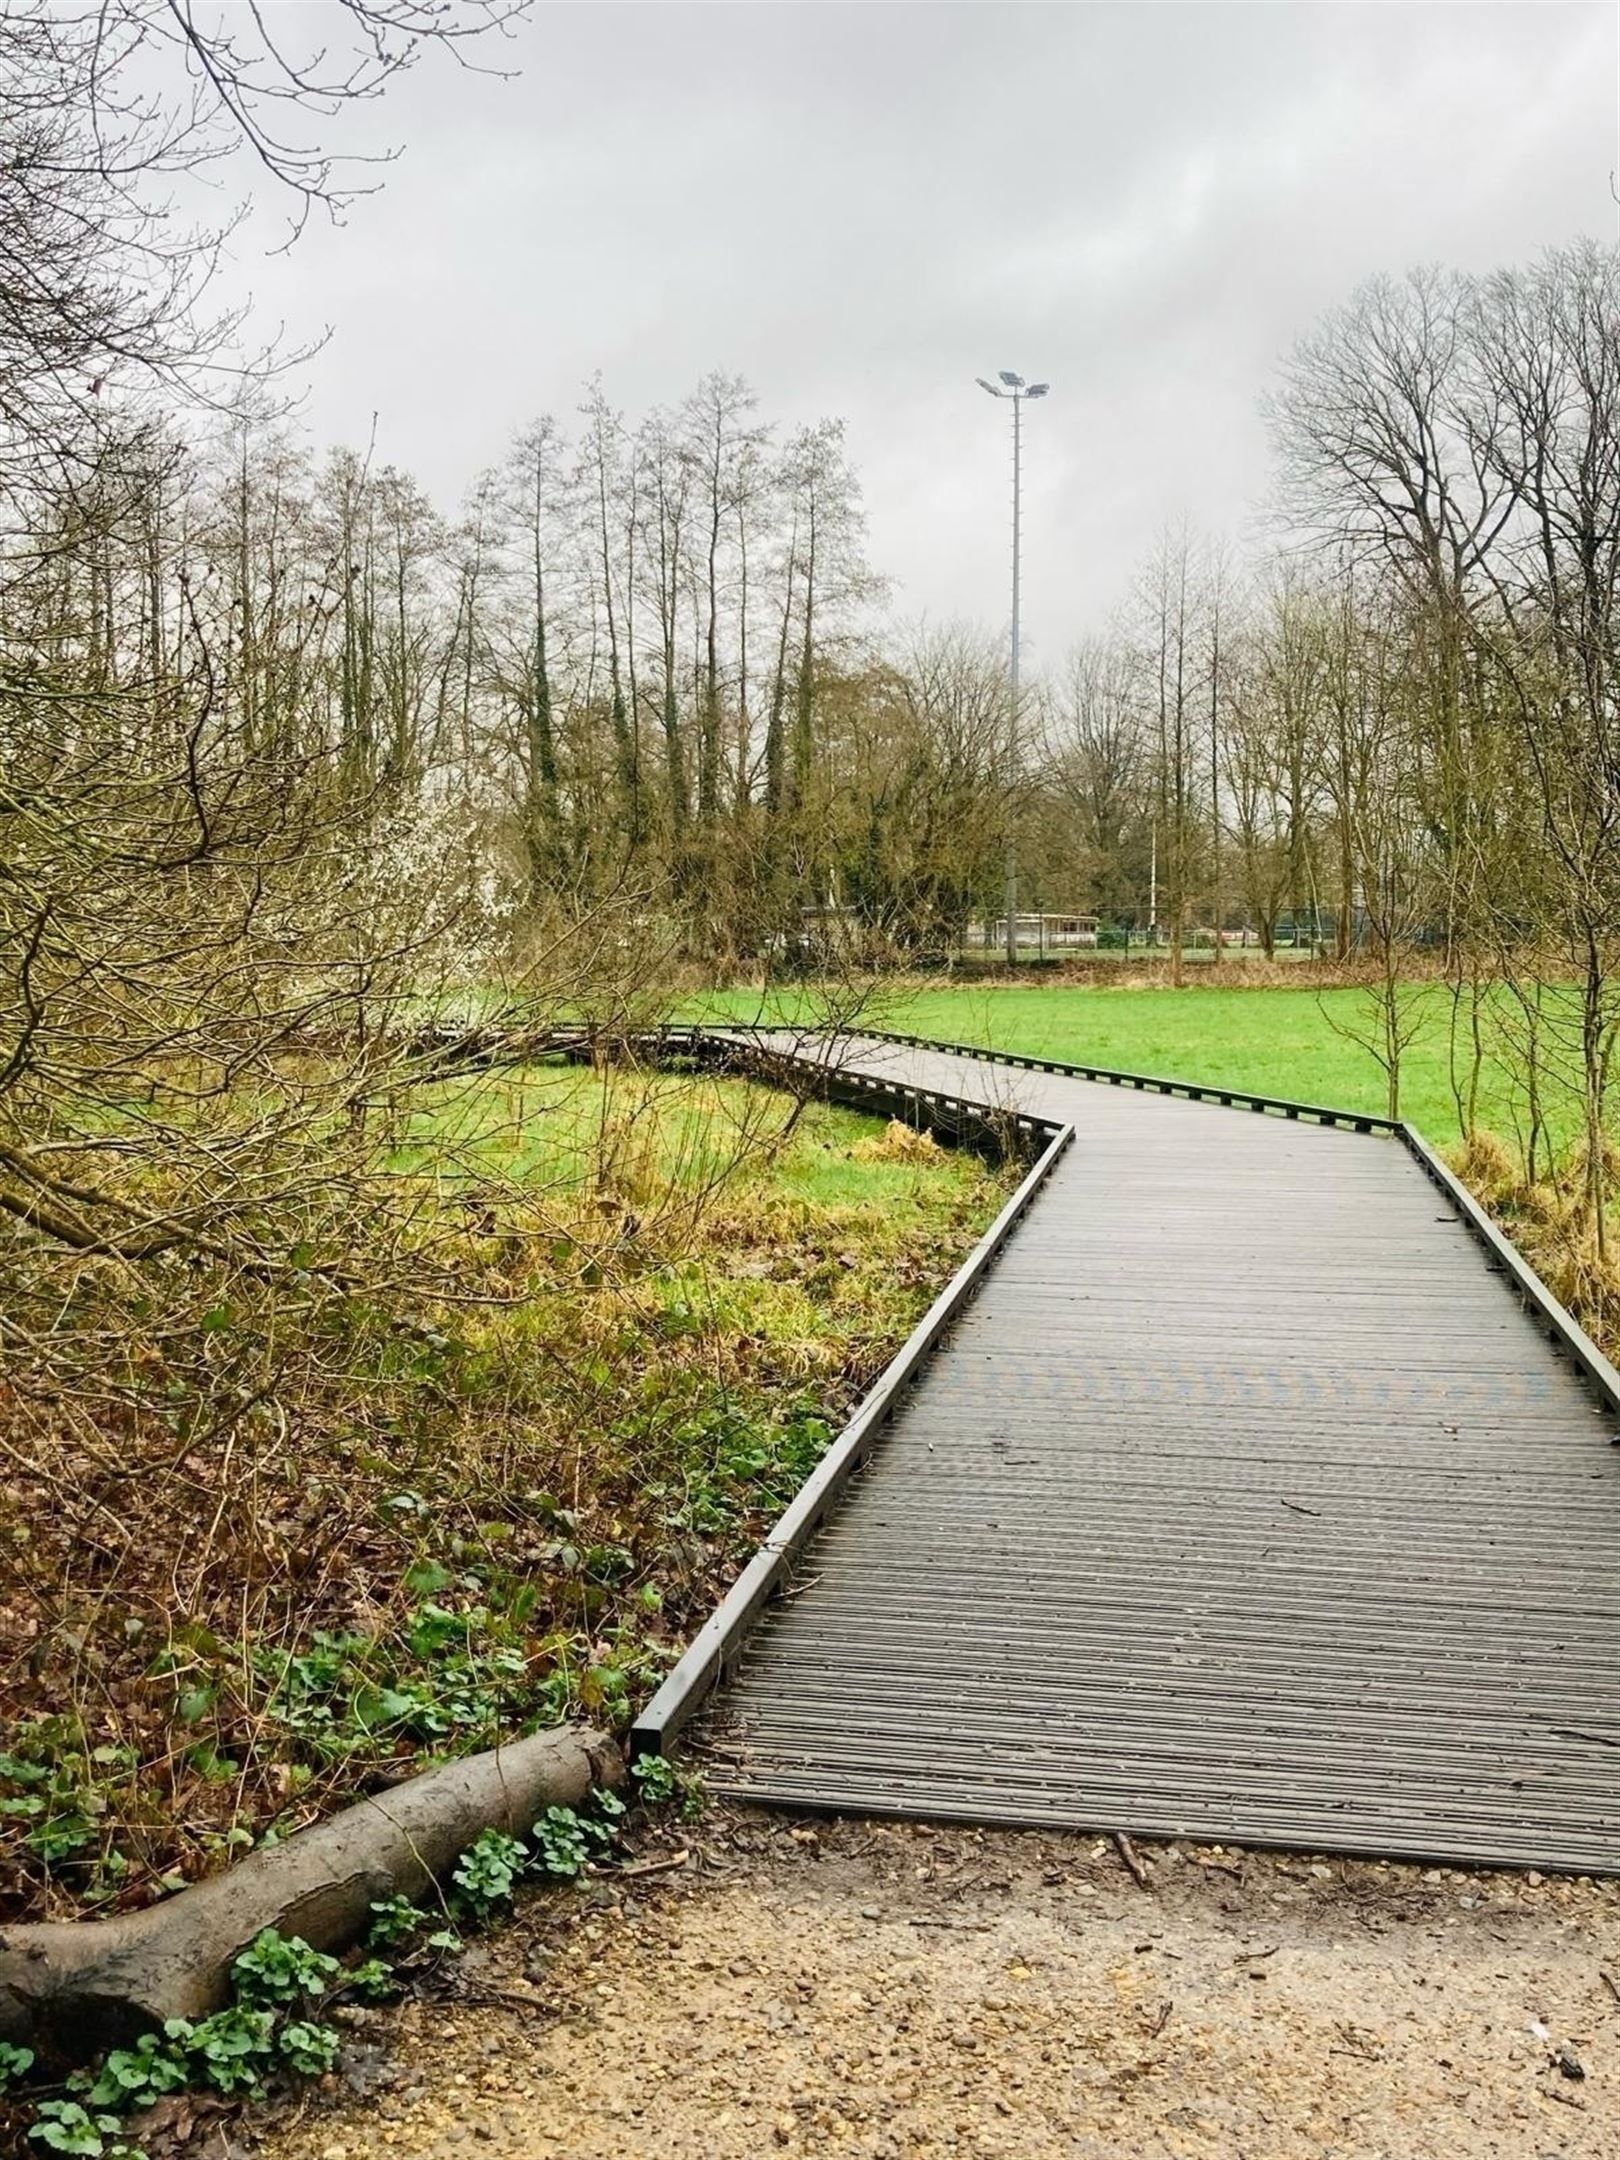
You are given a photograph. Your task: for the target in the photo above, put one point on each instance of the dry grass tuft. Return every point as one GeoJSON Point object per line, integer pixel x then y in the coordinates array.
{"type": "Point", "coordinates": [897, 1143]}
{"type": "Point", "coordinates": [1488, 1166]}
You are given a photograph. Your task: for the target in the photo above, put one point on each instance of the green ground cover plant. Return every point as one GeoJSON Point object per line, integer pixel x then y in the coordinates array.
{"type": "Point", "coordinates": [273, 2028]}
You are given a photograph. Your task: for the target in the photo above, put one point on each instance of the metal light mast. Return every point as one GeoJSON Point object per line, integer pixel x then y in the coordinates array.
{"type": "Point", "coordinates": [1014, 388]}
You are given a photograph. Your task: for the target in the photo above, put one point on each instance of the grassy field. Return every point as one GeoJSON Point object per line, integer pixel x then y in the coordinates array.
{"type": "Point", "coordinates": [1271, 1041]}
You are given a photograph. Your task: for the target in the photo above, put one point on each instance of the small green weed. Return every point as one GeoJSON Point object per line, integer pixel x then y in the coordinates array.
{"type": "Point", "coordinates": [235, 2049]}
{"type": "Point", "coordinates": [277, 1971]}
{"type": "Point", "coordinates": [134, 2078]}
{"type": "Point", "coordinates": [373, 1980]}
{"type": "Point", "coordinates": [660, 1782]}
{"type": "Point", "coordinates": [310, 2050]}
{"type": "Point", "coordinates": [560, 1843]}
{"type": "Point", "coordinates": [566, 1842]}
{"type": "Point", "coordinates": [63, 2126]}
{"type": "Point", "coordinates": [393, 1921]}
{"type": "Point", "coordinates": [655, 1776]}
{"type": "Point", "coordinates": [487, 1872]}
{"type": "Point", "coordinates": [604, 1818]}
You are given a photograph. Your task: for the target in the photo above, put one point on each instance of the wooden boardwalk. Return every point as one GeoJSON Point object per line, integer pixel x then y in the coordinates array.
{"type": "Point", "coordinates": [1246, 1501]}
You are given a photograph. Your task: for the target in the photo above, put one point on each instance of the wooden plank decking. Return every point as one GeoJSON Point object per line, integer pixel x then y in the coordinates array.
{"type": "Point", "coordinates": [1246, 1502]}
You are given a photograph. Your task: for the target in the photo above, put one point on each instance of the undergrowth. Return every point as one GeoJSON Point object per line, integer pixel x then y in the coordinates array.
{"type": "Point", "coordinates": [436, 1526]}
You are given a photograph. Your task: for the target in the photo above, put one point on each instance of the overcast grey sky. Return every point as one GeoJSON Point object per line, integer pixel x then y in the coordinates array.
{"type": "Point", "coordinates": [862, 206]}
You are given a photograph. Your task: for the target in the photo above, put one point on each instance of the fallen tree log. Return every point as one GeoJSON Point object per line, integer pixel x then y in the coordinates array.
{"type": "Point", "coordinates": [70, 1987]}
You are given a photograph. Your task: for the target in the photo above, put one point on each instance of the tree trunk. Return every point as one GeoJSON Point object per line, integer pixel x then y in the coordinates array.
{"type": "Point", "coordinates": [74, 1986]}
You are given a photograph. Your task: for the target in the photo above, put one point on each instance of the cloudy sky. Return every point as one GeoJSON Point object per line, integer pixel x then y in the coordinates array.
{"type": "Point", "coordinates": [863, 206]}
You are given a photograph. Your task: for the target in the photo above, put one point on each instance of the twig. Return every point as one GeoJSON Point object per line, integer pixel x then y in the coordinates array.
{"type": "Point", "coordinates": [1128, 1853]}
{"type": "Point", "coordinates": [500, 1999]}
{"type": "Point", "coordinates": [1552, 2092]}
{"type": "Point", "coordinates": [1355, 2045]}
{"type": "Point", "coordinates": [1610, 1982]}
{"type": "Point", "coordinates": [652, 1867]}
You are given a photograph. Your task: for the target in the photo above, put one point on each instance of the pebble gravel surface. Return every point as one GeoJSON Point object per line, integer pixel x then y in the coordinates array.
{"type": "Point", "coordinates": [753, 1986]}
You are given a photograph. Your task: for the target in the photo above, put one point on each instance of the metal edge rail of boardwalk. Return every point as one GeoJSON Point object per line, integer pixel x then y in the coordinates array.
{"type": "Point", "coordinates": [991, 1129]}
{"type": "Point", "coordinates": [716, 1645]}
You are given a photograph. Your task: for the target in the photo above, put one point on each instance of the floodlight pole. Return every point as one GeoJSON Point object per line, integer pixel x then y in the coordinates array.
{"type": "Point", "coordinates": [1014, 387]}
{"type": "Point", "coordinates": [1013, 744]}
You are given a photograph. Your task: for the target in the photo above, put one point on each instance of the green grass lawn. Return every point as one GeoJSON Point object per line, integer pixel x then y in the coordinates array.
{"type": "Point", "coordinates": [1270, 1041]}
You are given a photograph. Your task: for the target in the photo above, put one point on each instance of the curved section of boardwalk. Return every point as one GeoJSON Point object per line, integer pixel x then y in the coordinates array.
{"type": "Point", "coordinates": [1245, 1502]}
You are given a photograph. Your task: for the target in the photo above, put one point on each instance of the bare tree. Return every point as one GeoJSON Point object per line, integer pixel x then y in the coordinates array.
{"type": "Point", "coordinates": [1098, 768]}
{"type": "Point", "coordinates": [532, 482]}
{"type": "Point", "coordinates": [1547, 428]}
{"type": "Point", "coordinates": [103, 289]}
{"type": "Point", "coordinates": [1384, 464]}
{"type": "Point", "coordinates": [1170, 602]}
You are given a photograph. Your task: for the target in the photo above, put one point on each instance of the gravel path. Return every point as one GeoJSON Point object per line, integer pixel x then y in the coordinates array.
{"type": "Point", "coordinates": [891, 1990]}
